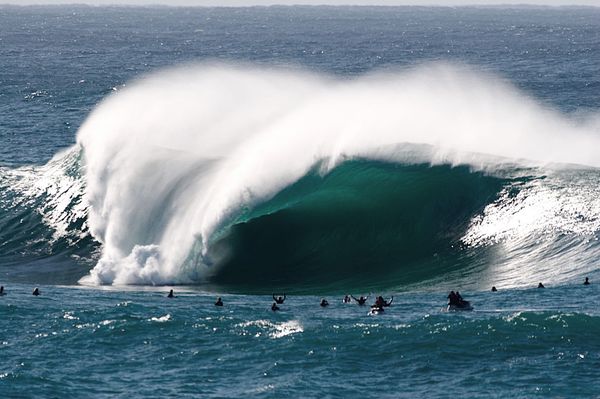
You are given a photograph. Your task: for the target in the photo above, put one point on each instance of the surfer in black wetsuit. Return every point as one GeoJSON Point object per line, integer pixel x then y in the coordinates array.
{"type": "Point", "coordinates": [459, 298]}
{"type": "Point", "coordinates": [457, 301]}
{"type": "Point", "coordinates": [453, 299]}
{"type": "Point", "coordinates": [324, 302]}
{"type": "Point", "coordinates": [494, 289]}
{"type": "Point", "coordinates": [347, 299]}
{"type": "Point", "coordinates": [540, 285]}
{"type": "Point", "coordinates": [2, 291]}
{"type": "Point", "coordinates": [274, 307]}
{"type": "Point", "coordinates": [380, 303]}
{"type": "Point", "coordinates": [587, 281]}
{"type": "Point", "coordinates": [280, 299]}
{"type": "Point", "coordinates": [171, 294]}
{"type": "Point", "coordinates": [36, 291]}
{"type": "Point", "coordinates": [361, 301]}
{"type": "Point", "coordinates": [219, 302]}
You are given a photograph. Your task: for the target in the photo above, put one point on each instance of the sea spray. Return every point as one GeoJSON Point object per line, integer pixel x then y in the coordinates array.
{"type": "Point", "coordinates": [173, 157]}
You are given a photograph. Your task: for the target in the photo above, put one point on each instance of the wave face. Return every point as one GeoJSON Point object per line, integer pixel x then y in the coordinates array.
{"type": "Point", "coordinates": [361, 221]}
{"type": "Point", "coordinates": [254, 178]}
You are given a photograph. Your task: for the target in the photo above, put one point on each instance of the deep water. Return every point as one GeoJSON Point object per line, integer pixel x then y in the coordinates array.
{"type": "Point", "coordinates": [317, 151]}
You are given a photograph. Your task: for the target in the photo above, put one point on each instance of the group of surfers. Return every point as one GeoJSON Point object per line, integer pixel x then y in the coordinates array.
{"type": "Point", "coordinates": [454, 299]}
{"type": "Point", "coordinates": [279, 299]}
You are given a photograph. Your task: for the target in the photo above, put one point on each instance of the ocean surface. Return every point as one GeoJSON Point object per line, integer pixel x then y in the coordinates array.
{"type": "Point", "coordinates": [316, 151]}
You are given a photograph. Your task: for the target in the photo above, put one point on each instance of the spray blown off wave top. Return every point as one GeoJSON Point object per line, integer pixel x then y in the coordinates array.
{"type": "Point", "coordinates": [252, 176]}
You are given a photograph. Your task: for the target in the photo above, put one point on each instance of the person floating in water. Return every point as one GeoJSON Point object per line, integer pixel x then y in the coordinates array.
{"type": "Point", "coordinates": [455, 299]}
{"type": "Point", "coordinates": [2, 291]}
{"type": "Point", "coordinates": [540, 285]}
{"type": "Point", "coordinates": [381, 303]}
{"type": "Point", "coordinates": [361, 301]}
{"type": "Point", "coordinates": [36, 291]}
{"type": "Point", "coordinates": [274, 307]}
{"type": "Point", "coordinates": [171, 294]}
{"type": "Point", "coordinates": [280, 299]}
{"type": "Point", "coordinates": [324, 302]}
{"type": "Point", "coordinates": [219, 302]}
{"type": "Point", "coordinates": [494, 289]}
{"type": "Point", "coordinates": [587, 281]}
{"type": "Point", "coordinates": [347, 299]}
{"type": "Point", "coordinates": [452, 299]}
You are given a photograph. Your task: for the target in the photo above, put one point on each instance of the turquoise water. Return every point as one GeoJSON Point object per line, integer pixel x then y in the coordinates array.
{"type": "Point", "coordinates": [106, 343]}
{"type": "Point", "coordinates": [318, 151]}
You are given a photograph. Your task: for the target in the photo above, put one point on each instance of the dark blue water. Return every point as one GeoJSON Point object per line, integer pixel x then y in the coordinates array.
{"type": "Point", "coordinates": [402, 219]}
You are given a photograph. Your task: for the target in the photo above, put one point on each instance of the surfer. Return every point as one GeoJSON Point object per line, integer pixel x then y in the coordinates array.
{"type": "Point", "coordinates": [2, 291]}
{"type": "Point", "coordinates": [347, 299]}
{"type": "Point", "coordinates": [455, 299]}
{"type": "Point", "coordinates": [171, 294]}
{"type": "Point", "coordinates": [456, 302]}
{"type": "Point", "coordinates": [274, 307]}
{"type": "Point", "coordinates": [381, 303]}
{"type": "Point", "coordinates": [540, 285]}
{"type": "Point", "coordinates": [452, 299]}
{"type": "Point", "coordinates": [324, 302]}
{"type": "Point", "coordinates": [219, 302]}
{"type": "Point", "coordinates": [494, 289]}
{"type": "Point", "coordinates": [587, 281]}
{"type": "Point", "coordinates": [280, 299]}
{"type": "Point", "coordinates": [361, 301]}
{"type": "Point", "coordinates": [36, 291]}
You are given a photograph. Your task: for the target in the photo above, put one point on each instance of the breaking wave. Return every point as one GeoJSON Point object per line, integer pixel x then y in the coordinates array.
{"type": "Point", "coordinates": [255, 178]}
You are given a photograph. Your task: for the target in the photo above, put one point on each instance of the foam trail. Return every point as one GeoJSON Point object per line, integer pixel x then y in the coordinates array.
{"type": "Point", "coordinates": [174, 156]}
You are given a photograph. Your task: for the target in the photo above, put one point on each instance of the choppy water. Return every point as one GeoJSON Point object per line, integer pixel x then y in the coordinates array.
{"type": "Point", "coordinates": [312, 150]}
{"type": "Point", "coordinates": [73, 342]}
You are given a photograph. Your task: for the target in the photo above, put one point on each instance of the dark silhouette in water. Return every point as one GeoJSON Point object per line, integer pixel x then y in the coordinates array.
{"type": "Point", "coordinates": [274, 307]}
{"type": "Point", "coordinates": [347, 299]}
{"type": "Point", "coordinates": [540, 285]}
{"type": "Point", "coordinates": [587, 281]}
{"type": "Point", "coordinates": [2, 291]}
{"type": "Point", "coordinates": [361, 301]}
{"type": "Point", "coordinates": [324, 303]}
{"type": "Point", "coordinates": [219, 302]}
{"type": "Point", "coordinates": [494, 289]}
{"type": "Point", "coordinates": [36, 291]}
{"type": "Point", "coordinates": [171, 295]}
{"type": "Point", "coordinates": [380, 303]}
{"type": "Point", "coordinates": [280, 299]}
{"type": "Point", "coordinates": [452, 298]}
{"type": "Point", "coordinates": [456, 302]}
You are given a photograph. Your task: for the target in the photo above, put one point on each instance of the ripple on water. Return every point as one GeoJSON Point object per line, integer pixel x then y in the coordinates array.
{"type": "Point", "coordinates": [272, 330]}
